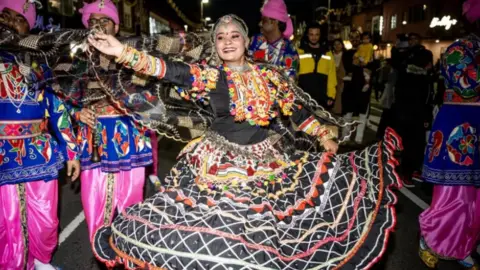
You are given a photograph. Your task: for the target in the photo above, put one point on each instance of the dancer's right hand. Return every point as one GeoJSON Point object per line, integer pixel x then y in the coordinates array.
{"type": "Point", "coordinates": [106, 44]}
{"type": "Point", "coordinates": [87, 117]}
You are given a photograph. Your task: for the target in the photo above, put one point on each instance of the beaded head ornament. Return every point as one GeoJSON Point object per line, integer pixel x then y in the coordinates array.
{"type": "Point", "coordinates": [225, 20]}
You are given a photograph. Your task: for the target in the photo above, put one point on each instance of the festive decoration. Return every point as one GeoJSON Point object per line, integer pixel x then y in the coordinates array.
{"type": "Point", "coordinates": [338, 12]}
{"type": "Point", "coordinates": [182, 16]}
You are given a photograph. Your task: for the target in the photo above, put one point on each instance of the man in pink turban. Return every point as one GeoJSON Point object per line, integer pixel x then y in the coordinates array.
{"type": "Point", "coordinates": [117, 180]}
{"type": "Point", "coordinates": [31, 154]}
{"type": "Point", "coordinates": [273, 44]}
{"type": "Point", "coordinates": [18, 15]}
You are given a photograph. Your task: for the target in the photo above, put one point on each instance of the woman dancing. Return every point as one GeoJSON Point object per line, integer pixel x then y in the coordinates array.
{"type": "Point", "coordinates": [238, 198]}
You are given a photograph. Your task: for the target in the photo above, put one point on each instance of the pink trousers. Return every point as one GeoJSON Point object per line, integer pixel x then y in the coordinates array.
{"type": "Point", "coordinates": [103, 193]}
{"type": "Point", "coordinates": [39, 203]}
{"type": "Point", "coordinates": [451, 225]}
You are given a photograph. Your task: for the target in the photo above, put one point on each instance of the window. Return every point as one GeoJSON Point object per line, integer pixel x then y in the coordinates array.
{"type": "Point", "coordinates": [377, 25]}
{"type": "Point", "coordinates": [393, 22]}
{"type": "Point", "coordinates": [127, 16]}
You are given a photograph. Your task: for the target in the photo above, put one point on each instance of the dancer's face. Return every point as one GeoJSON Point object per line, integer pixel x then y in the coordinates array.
{"type": "Point", "coordinates": [105, 22]}
{"type": "Point", "coordinates": [14, 20]}
{"type": "Point", "coordinates": [230, 44]}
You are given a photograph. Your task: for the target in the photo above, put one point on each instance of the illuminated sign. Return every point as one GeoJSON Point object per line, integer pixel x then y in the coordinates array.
{"type": "Point", "coordinates": [446, 21]}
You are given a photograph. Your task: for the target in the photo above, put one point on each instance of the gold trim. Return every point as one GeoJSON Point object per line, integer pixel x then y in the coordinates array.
{"type": "Point", "coordinates": [107, 215]}
{"type": "Point", "coordinates": [23, 221]}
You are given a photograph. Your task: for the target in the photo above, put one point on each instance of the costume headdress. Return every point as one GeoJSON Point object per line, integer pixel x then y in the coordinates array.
{"type": "Point", "coordinates": [231, 19]}
{"type": "Point", "coordinates": [276, 9]}
{"type": "Point", "coordinates": [26, 8]}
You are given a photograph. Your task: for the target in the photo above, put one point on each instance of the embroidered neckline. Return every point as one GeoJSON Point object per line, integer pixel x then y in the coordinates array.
{"type": "Point", "coordinates": [254, 94]}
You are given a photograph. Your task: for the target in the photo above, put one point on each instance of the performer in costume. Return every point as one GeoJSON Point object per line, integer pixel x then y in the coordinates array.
{"type": "Point", "coordinates": [238, 198]}
{"type": "Point", "coordinates": [273, 44]}
{"type": "Point", "coordinates": [450, 227]}
{"type": "Point", "coordinates": [117, 181]}
{"type": "Point", "coordinates": [36, 138]}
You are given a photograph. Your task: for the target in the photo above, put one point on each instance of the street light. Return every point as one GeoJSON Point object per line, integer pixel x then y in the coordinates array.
{"type": "Point", "coordinates": [201, 9]}
{"type": "Point", "coordinates": [207, 19]}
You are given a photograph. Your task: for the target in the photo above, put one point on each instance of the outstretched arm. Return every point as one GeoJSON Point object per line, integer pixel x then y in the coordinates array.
{"type": "Point", "coordinates": [193, 81]}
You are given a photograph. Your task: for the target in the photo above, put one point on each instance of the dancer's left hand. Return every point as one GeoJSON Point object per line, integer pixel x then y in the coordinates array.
{"type": "Point", "coordinates": [330, 146]}
{"type": "Point", "coordinates": [73, 169]}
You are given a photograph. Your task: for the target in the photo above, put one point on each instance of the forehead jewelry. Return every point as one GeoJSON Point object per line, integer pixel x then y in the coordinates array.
{"type": "Point", "coordinates": [227, 19]}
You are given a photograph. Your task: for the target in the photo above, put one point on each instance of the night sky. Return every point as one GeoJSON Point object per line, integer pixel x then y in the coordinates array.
{"type": "Point", "coordinates": [249, 10]}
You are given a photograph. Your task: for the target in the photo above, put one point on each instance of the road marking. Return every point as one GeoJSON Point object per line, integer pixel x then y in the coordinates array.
{"type": "Point", "coordinates": [376, 109]}
{"type": "Point", "coordinates": [414, 198]}
{"type": "Point", "coordinates": [405, 191]}
{"type": "Point", "coordinates": [71, 228]}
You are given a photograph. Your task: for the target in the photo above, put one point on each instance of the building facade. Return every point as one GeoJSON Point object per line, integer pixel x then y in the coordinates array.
{"type": "Point", "coordinates": [439, 22]}
{"type": "Point", "coordinates": [137, 17]}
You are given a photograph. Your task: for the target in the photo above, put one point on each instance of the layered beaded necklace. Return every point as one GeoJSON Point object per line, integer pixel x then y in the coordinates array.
{"type": "Point", "coordinates": [252, 95]}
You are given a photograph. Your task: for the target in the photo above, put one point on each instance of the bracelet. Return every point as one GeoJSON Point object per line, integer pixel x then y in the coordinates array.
{"type": "Point", "coordinates": [142, 62]}
{"type": "Point", "coordinates": [121, 58]}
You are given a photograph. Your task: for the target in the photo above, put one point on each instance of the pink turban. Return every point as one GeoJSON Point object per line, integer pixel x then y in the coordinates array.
{"type": "Point", "coordinates": [276, 9]}
{"type": "Point", "coordinates": [471, 10]}
{"type": "Point", "coordinates": [30, 14]}
{"type": "Point", "coordinates": [105, 7]}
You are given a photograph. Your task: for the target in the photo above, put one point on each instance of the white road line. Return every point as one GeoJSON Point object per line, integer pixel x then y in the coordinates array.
{"type": "Point", "coordinates": [374, 118]}
{"type": "Point", "coordinates": [405, 191]}
{"type": "Point", "coordinates": [71, 227]}
{"type": "Point", "coordinates": [414, 198]}
{"type": "Point", "coordinates": [376, 109]}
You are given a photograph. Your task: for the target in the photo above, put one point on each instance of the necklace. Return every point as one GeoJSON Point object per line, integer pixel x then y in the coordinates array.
{"type": "Point", "coordinates": [239, 68]}
{"type": "Point", "coordinates": [18, 89]}
{"type": "Point", "coordinates": [253, 95]}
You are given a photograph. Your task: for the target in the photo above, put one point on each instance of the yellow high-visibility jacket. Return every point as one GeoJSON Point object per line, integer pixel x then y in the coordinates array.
{"type": "Point", "coordinates": [317, 75]}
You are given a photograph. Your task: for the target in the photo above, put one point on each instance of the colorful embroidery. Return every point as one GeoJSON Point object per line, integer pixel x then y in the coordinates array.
{"type": "Point", "coordinates": [461, 71]}
{"type": "Point", "coordinates": [253, 95]}
{"type": "Point", "coordinates": [312, 127]}
{"type": "Point", "coordinates": [203, 81]}
{"type": "Point", "coordinates": [437, 141]}
{"type": "Point", "coordinates": [461, 144]}
{"type": "Point", "coordinates": [280, 53]}
{"type": "Point", "coordinates": [122, 145]}
{"type": "Point", "coordinates": [27, 151]}
{"type": "Point", "coordinates": [42, 145]}
{"type": "Point", "coordinates": [319, 202]}
{"type": "Point", "coordinates": [21, 129]}
{"type": "Point", "coordinates": [121, 139]}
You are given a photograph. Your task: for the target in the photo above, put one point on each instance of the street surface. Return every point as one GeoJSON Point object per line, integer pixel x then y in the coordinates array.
{"type": "Point", "coordinates": [402, 253]}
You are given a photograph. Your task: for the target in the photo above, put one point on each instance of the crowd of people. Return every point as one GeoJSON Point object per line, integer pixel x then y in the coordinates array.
{"type": "Point", "coordinates": [243, 195]}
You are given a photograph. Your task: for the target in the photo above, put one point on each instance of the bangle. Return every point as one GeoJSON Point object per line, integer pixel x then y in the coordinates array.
{"type": "Point", "coordinates": [121, 58]}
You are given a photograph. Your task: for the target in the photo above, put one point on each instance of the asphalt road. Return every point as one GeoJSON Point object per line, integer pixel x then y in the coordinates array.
{"type": "Point", "coordinates": [74, 248]}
